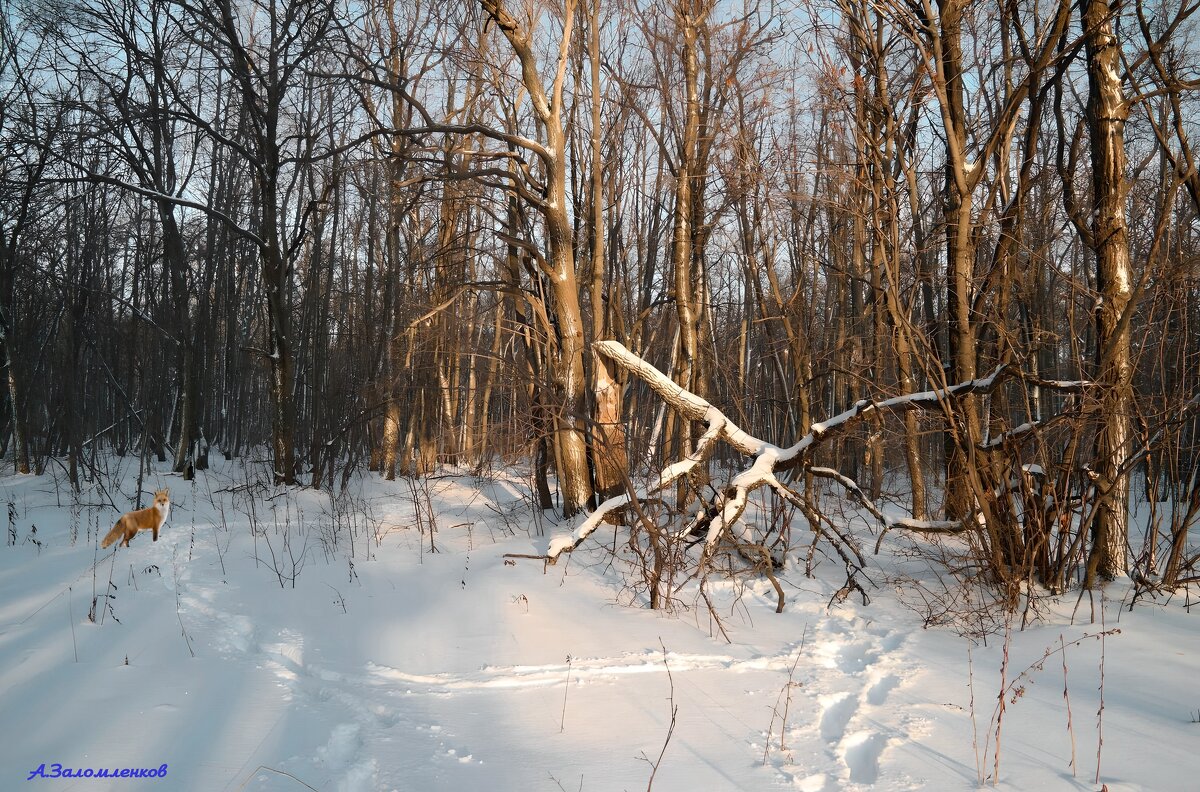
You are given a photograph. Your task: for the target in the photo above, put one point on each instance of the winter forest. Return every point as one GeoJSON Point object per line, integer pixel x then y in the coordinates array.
{"type": "Point", "coordinates": [832, 304]}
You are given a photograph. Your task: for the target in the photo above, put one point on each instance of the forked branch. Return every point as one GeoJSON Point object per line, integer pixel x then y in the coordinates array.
{"type": "Point", "coordinates": [768, 458]}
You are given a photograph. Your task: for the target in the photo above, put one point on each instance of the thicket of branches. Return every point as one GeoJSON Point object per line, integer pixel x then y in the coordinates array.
{"type": "Point", "coordinates": [388, 235]}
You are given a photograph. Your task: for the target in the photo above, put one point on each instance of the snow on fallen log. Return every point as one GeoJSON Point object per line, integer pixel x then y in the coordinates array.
{"type": "Point", "coordinates": [768, 458]}
{"type": "Point", "coordinates": [684, 402]}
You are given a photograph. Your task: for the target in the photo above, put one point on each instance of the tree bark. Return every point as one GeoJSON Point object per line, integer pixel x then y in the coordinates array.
{"type": "Point", "coordinates": [571, 453]}
{"type": "Point", "coordinates": [1106, 114]}
{"type": "Point", "coordinates": [608, 440]}
{"type": "Point", "coordinates": [960, 253]}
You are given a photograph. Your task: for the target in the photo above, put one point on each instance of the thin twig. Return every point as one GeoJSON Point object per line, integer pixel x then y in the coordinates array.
{"type": "Point", "coordinates": [71, 614]}
{"type": "Point", "coordinates": [277, 772]}
{"type": "Point", "coordinates": [566, 689]}
{"type": "Point", "coordinates": [1100, 710]}
{"type": "Point", "coordinates": [671, 730]}
{"type": "Point", "coordinates": [1067, 699]}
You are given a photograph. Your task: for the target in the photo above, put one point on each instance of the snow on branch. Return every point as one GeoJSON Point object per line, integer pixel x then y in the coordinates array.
{"type": "Point", "coordinates": [855, 492]}
{"type": "Point", "coordinates": [1018, 433]}
{"type": "Point", "coordinates": [683, 401]}
{"type": "Point", "coordinates": [922, 400]}
{"type": "Point", "coordinates": [768, 458]}
{"type": "Point", "coordinates": [671, 473]}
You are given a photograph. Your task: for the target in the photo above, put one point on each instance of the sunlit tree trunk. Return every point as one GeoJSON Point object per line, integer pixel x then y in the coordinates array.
{"type": "Point", "coordinates": [1106, 113]}
{"type": "Point", "coordinates": [608, 446]}
{"type": "Point", "coordinates": [571, 453]}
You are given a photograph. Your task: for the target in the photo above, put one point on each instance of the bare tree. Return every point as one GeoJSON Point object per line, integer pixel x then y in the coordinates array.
{"type": "Point", "coordinates": [1107, 114]}
{"type": "Point", "coordinates": [268, 49]}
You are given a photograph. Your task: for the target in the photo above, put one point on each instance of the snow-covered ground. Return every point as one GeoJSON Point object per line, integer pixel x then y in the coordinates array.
{"type": "Point", "coordinates": [278, 640]}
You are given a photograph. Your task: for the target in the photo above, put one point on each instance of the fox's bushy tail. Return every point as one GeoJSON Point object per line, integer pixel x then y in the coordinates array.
{"type": "Point", "coordinates": [113, 535]}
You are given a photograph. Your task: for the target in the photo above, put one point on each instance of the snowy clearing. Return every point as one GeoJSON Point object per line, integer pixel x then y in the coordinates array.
{"type": "Point", "coordinates": [275, 640]}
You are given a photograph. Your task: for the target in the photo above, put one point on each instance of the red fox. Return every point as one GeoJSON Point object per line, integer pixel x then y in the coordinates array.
{"type": "Point", "coordinates": [150, 519]}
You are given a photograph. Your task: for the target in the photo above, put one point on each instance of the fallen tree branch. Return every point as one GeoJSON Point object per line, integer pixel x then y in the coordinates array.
{"type": "Point", "coordinates": [909, 523]}
{"type": "Point", "coordinates": [768, 457]}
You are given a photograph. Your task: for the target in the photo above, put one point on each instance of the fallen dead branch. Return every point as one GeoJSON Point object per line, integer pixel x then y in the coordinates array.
{"type": "Point", "coordinates": [768, 459]}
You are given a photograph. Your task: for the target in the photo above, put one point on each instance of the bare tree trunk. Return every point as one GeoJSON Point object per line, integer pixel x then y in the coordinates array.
{"type": "Point", "coordinates": [283, 408]}
{"type": "Point", "coordinates": [175, 258]}
{"type": "Point", "coordinates": [535, 387]}
{"type": "Point", "coordinates": [571, 453]}
{"type": "Point", "coordinates": [12, 378]}
{"type": "Point", "coordinates": [608, 440]}
{"type": "Point", "coordinates": [490, 376]}
{"type": "Point", "coordinates": [1107, 112]}
{"type": "Point", "coordinates": [960, 252]}
{"type": "Point", "coordinates": [690, 19]}
{"type": "Point", "coordinates": [886, 150]}
{"type": "Point", "coordinates": [684, 293]}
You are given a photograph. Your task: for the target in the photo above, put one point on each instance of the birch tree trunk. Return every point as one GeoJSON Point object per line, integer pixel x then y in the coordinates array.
{"type": "Point", "coordinates": [690, 17]}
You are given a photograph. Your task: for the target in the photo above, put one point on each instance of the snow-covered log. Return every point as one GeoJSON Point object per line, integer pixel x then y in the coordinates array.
{"type": "Point", "coordinates": [768, 458]}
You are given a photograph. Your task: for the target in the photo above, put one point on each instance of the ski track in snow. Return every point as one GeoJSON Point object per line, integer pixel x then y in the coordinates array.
{"type": "Point", "coordinates": [598, 668]}
{"type": "Point", "coordinates": [846, 674]}
{"type": "Point", "coordinates": [832, 739]}
{"type": "Point", "coordinates": [376, 698]}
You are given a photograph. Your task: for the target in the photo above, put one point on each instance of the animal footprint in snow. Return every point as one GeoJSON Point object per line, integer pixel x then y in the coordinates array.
{"type": "Point", "coordinates": [877, 694]}
{"type": "Point", "coordinates": [343, 744]}
{"type": "Point", "coordinates": [861, 752]}
{"type": "Point", "coordinates": [853, 658]}
{"type": "Point", "coordinates": [836, 713]}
